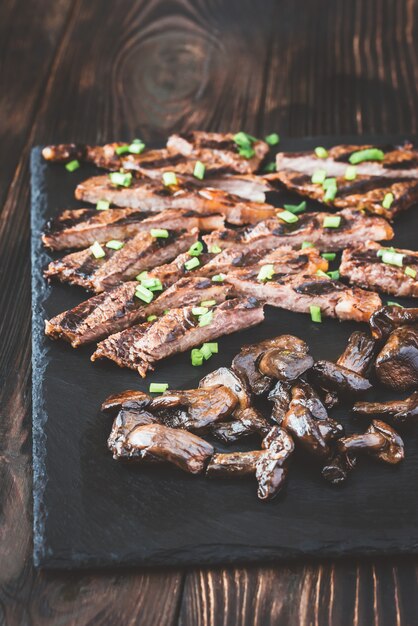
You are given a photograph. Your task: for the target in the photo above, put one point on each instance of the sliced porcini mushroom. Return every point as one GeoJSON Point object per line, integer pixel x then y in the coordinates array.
{"type": "Point", "coordinates": [304, 394]}
{"type": "Point", "coordinates": [284, 363]}
{"type": "Point", "coordinates": [359, 353]}
{"type": "Point", "coordinates": [271, 468]}
{"type": "Point", "coordinates": [114, 403]}
{"type": "Point", "coordinates": [244, 423]}
{"type": "Point", "coordinates": [233, 464]}
{"type": "Point", "coordinates": [383, 321]}
{"type": "Point", "coordinates": [380, 441]}
{"type": "Point", "coordinates": [180, 447]}
{"type": "Point", "coordinates": [281, 396]}
{"type": "Point", "coordinates": [304, 429]}
{"type": "Point", "coordinates": [125, 421]}
{"type": "Point", "coordinates": [228, 378]}
{"type": "Point", "coordinates": [339, 379]}
{"type": "Point", "coordinates": [400, 411]}
{"type": "Point", "coordinates": [397, 363]}
{"type": "Point", "coordinates": [338, 467]}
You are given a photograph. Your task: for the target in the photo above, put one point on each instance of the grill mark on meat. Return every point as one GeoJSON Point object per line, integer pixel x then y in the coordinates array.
{"type": "Point", "coordinates": [319, 287]}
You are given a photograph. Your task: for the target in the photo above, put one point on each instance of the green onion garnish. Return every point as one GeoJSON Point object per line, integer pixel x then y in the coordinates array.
{"type": "Point", "coordinates": [272, 139]}
{"type": "Point", "coordinates": [206, 318]}
{"type": "Point", "coordinates": [199, 170]}
{"type": "Point", "coordinates": [206, 351]}
{"type": "Point", "coordinates": [199, 310]}
{"type": "Point", "coordinates": [328, 256]}
{"type": "Point", "coordinates": [296, 208]}
{"type": "Point", "coordinates": [322, 274]}
{"type": "Point", "coordinates": [392, 258]}
{"type": "Point", "coordinates": [391, 303]}
{"type": "Point", "coordinates": [121, 179]}
{"type": "Point", "coordinates": [266, 273]}
{"type": "Point", "coordinates": [192, 263]}
{"type": "Point", "coordinates": [350, 173]}
{"type": "Point", "coordinates": [158, 387]}
{"type": "Point", "coordinates": [288, 217]}
{"type": "Point", "coordinates": [97, 250]}
{"type": "Point", "coordinates": [213, 346]}
{"type": "Point", "coordinates": [247, 153]}
{"type": "Point", "coordinates": [369, 154]}
{"type": "Point", "coordinates": [144, 294]}
{"type": "Point", "coordinates": [136, 147]}
{"type": "Point", "coordinates": [243, 140]}
{"type": "Point", "coordinates": [330, 194]}
{"type": "Point", "coordinates": [319, 176]}
{"type": "Point", "coordinates": [197, 357]}
{"type": "Point", "coordinates": [270, 167]}
{"type": "Point", "coordinates": [102, 205]}
{"type": "Point", "coordinates": [409, 271]}
{"type": "Point", "coordinates": [208, 303]}
{"type": "Point", "coordinates": [329, 182]}
{"type": "Point", "coordinates": [122, 149]}
{"type": "Point", "coordinates": [159, 233]}
{"type": "Point", "coordinates": [153, 284]}
{"type": "Point", "coordinates": [215, 249]}
{"type": "Point", "coordinates": [387, 200]}
{"type": "Point", "coordinates": [72, 165]}
{"type": "Point", "coordinates": [315, 313]}
{"type": "Point", "coordinates": [195, 249]}
{"type": "Point", "coordinates": [218, 278]}
{"type": "Point", "coordinates": [321, 152]}
{"type": "Point", "coordinates": [331, 221]}
{"type": "Point", "coordinates": [151, 318]}
{"type": "Point", "coordinates": [307, 244]}
{"type": "Point", "coordinates": [142, 276]}
{"type": "Point", "coordinates": [114, 244]}
{"type": "Point", "coordinates": [170, 178]}
{"type": "Point", "coordinates": [335, 275]}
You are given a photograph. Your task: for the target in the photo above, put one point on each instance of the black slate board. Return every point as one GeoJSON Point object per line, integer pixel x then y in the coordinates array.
{"type": "Point", "coordinates": [92, 511]}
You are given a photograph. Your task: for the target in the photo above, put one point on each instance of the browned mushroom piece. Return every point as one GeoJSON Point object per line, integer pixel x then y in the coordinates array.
{"type": "Point", "coordinates": [233, 464]}
{"type": "Point", "coordinates": [125, 421]}
{"type": "Point", "coordinates": [281, 396]}
{"type": "Point", "coordinates": [380, 441]}
{"type": "Point", "coordinates": [158, 442]}
{"type": "Point", "coordinates": [271, 468]}
{"type": "Point", "coordinates": [359, 353]}
{"type": "Point", "coordinates": [400, 411]}
{"type": "Point", "coordinates": [114, 403]}
{"type": "Point", "coordinates": [245, 422]}
{"type": "Point", "coordinates": [339, 379]}
{"type": "Point", "coordinates": [397, 363]}
{"type": "Point", "coordinates": [228, 378]}
{"type": "Point", "coordinates": [386, 319]}
{"type": "Point", "coordinates": [304, 394]}
{"type": "Point", "coordinates": [305, 430]}
{"type": "Point", "coordinates": [338, 467]}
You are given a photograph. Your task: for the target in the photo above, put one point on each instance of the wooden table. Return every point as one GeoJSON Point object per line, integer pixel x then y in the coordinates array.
{"type": "Point", "coordinates": [96, 70]}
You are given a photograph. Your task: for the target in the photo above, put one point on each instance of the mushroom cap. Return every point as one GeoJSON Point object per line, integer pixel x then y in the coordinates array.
{"type": "Point", "coordinates": [228, 378]}
{"type": "Point", "coordinates": [394, 451]}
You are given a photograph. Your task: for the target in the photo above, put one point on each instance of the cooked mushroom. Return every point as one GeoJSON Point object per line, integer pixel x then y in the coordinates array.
{"type": "Point", "coordinates": [228, 378]}
{"type": "Point", "coordinates": [400, 411]}
{"type": "Point", "coordinates": [155, 441]}
{"type": "Point", "coordinates": [340, 379]}
{"type": "Point", "coordinates": [336, 469]}
{"type": "Point", "coordinates": [114, 403]}
{"type": "Point", "coordinates": [359, 353]}
{"type": "Point", "coordinates": [380, 441]}
{"type": "Point", "coordinates": [271, 468]}
{"type": "Point", "coordinates": [244, 423]}
{"type": "Point", "coordinates": [281, 396]}
{"type": "Point", "coordinates": [304, 429]}
{"type": "Point", "coordinates": [233, 464]}
{"type": "Point", "coordinates": [125, 421]}
{"type": "Point", "coordinates": [329, 428]}
{"type": "Point", "coordinates": [397, 362]}
{"type": "Point", "coordinates": [387, 318]}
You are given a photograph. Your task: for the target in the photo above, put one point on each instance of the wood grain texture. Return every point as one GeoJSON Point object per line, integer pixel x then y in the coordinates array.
{"type": "Point", "coordinates": [94, 70]}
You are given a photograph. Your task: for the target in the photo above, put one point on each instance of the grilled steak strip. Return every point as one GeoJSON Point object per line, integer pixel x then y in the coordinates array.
{"type": "Point", "coordinates": [274, 232]}
{"type": "Point", "coordinates": [140, 347]}
{"type": "Point", "coordinates": [298, 292]}
{"type": "Point", "coordinates": [102, 156]}
{"type": "Point", "coordinates": [79, 228]}
{"type": "Point", "coordinates": [365, 192]}
{"type": "Point", "coordinates": [398, 162]}
{"type": "Point", "coordinates": [139, 253]}
{"type": "Point", "coordinates": [148, 195]}
{"type": "Point", "coordinates": [362, 266]}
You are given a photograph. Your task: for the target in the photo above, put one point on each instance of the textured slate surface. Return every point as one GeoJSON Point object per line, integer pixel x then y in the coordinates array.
{"type": "Point", "coordinates": [91, 511]}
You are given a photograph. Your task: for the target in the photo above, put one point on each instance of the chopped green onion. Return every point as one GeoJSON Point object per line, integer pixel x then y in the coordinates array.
{"type": "Point", "coordinates": [296, 208]}
{"type": "Point", "coordinates": [215, 249]}
{"type": "Point", "coordinates": [382, 250]}
{"type": "Point", "coordinates": [197, 357]}
{"type": "Point", "coordinates": [122, 149]}
{"type": "Point", "coordinates": [369, 154]}
{"type": "Point", "coordinates": [247, 153]}
{"type": "Point", "coordinates": [330, 193]}
{"type": "Point", "coordinates": [199, 170]}
{"type": "Point", "coordinates": [213, 347]}
{"type": "Point", "coordinates": [391, 303]}
{"type": "Point", "coordinates": [270, 167]}
{"type": "Point", "coordinates": [387, 200]}
{"type": "Point", "coordinates": [319, 176]}
{"type": "Point", "coordinates": [307, 244]}
{"type": "Point", "coordinates": [170, 178]}
{"type": "Point", "coordinates": [392, 258]}
{"type": "Point", "coordinates": [206, 318]}
{"type": "Point", "coordinates": [166, 311]}
{"type": "Point", "coordinates": [328, 256]}
{"type": "Point", "coordinates": [243, 140]}
{"type": "Point", "coordinates": [329, 182]}
{"type": "Point", "coordinates": [199, 310]}
{"type": "Point", "coordinates": [272, 139]}
{"type": "Point", "coordinates": [97, 250]}
{"type": "Point", "coordinates": [158, 387]}
{"type": "Point", "coordinates": [321, 152]}
{"type": "Point", "coordinates": [195, 249]}
{"type": "Point", "coordinates": [192, 263]}
{"type": "Point", "coordinates": [153, 284]}
{"type": "Point", "coordinates": [266, 273]}
{"type": "Point", "coordinates": [136, 147]}
{"type": "Point", "coordinates": [151, 318]}
{"type": "Point", "coordinates": [409, 271]}
{"type": "Point", "coordinates": [102, 205]}
{"type": "Point", "coordinates": [331, 221]}
{"type": "Point", "coordinates": [72, 165]}
{"type": "Point", "coordinates": [114, 244]}
{"type": "Point", "coordinates": [335, 275]}
{"type": "Point", "coordinates": [144, 294]}
{"type": "Point", "coordinates": [321, 273]}
{"type": "Point", "coordinates": [142, 276]}
{"type": "Point", "coordinates": [121, 179]}
{"type": "Point", "coordinates": [288, 217]}
{"type": "Point", "coordinates": [350, 173]}
{"type": "Point", "coordinates": [315, 313]}
{"type": "Point", "coordinates": [205, 351]}
{"type": "Point", "coordinates": [218, 278]}
{"type": "Point", "coordinates": [159, 233]}
{"type": "Point", "coordinates": [208, 303]}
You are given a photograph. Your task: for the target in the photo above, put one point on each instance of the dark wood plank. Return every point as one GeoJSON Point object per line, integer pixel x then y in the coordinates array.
{"type": "Point", "coordinates": [145, 68]}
